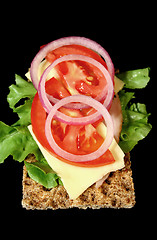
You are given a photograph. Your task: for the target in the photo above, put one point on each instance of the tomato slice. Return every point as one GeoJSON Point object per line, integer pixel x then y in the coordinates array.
{"type": "Point", "coordinates": [75, 139]}
{"type": "Point", "coordinates": [79, 77]}
{"type": "Point", "coordinates": [56, 89]}
{"type": "Point", "coordinates": [74, 49]}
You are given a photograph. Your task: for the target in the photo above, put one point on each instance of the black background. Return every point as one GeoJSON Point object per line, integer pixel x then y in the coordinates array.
{"type": "Point", "coordinates": [129, 36]}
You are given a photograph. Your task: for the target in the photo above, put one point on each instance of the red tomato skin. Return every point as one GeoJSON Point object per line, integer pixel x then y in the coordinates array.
{"type": "Point", "coordinates": [74, 49]}
{"type": "Point", "coordinates": [59, 90]}
{"type": "Point", "coordinates": [56, 89]}
{"type": "Point", "coordinates": [85, 78]}
{"type": "Point", "coordinates": [38, 118]}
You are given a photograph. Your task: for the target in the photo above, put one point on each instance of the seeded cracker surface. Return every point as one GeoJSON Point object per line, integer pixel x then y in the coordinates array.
{"type": "Point", "coordinates": [116, 192]}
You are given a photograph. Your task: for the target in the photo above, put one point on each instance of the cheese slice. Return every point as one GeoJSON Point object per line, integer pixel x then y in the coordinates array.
{"type": "Point", "coordinates": [77, 179]}
{"type": "Point", "coordinates": [119, 84]}
{"type": "Point", "coordinates": [42, 66]}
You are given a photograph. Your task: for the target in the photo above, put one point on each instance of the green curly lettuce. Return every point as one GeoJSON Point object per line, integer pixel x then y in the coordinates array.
{"type": "Point", "coordinates": [135, 117]}
{"type": "Point", "coordinates": [16, 140]}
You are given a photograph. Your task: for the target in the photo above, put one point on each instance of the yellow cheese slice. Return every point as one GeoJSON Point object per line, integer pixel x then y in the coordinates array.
{"type": "Point", "coordinates": [43, 65]}
{"type": "Point", "coordinates": [77, 179]}
{"type": "Point", "coordinates": [119, 84]}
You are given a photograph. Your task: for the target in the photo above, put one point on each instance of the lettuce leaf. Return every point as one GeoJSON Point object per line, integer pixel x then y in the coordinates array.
{"type": "Point", "coordinates": [43, 174]}
{"type": "Point", "coordinates": [135, 117]}
{"type": "Point", "coordinates": [135, 79]}
{"type": "Point", "coordinates": [18, 142]}
{"type": "Point", "coordinates": [22, 89]}
{"type": "Point", "coordinates": [24, 113]}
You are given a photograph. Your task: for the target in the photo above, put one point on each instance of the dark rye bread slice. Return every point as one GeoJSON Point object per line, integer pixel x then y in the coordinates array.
{"type": "Point", "coordinates": [116, 192]}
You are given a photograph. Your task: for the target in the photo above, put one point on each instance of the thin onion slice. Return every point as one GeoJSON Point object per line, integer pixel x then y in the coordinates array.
{"type": "Point", "coordinates": [100, 108]}
{"type": "Point", "coordinates": [68, 41]}
{"type": "Point", "coordinates": [109, 89]}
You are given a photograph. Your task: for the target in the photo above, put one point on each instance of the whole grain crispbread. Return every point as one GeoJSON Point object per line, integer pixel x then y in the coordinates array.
{"type": "Point", "coordinates": [116, 192]}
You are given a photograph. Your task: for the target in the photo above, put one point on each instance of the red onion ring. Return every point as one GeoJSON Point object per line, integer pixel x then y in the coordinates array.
{"type": "Point", "coordinates": [68, 41]}
{"type": "Point", "coordinates": [100, 108]}
{"type": "Point", "coordinates": [78, 120]}
{"type": "Point", "coordinates": [41, 87]}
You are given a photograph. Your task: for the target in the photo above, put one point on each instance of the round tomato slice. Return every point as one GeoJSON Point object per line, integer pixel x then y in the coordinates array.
{"type": "Point", "coordinates": [79, 77]}
{"type": "Point", "coordinates": [74, 49]}
{"type": "Point", "coordinates": [66, 136]}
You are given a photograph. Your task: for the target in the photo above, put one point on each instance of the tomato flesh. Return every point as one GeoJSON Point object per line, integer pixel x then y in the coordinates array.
{"type": "Point", "coordinates": [68, 137]}
{"type": "Point", "coordinates": [56, 89]}
{"type": "Point", "coordinates": [79, 77]}
{"type": "Point", "coordinates": [88, 139]}
{"type": "Point", "coordinates": [75, 77]}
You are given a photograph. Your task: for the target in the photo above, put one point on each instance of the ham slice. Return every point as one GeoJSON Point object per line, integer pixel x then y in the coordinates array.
{"type": "Point", "coordinates": [117, 117]}
{"type": "Point", "coordinates": [100, 182]}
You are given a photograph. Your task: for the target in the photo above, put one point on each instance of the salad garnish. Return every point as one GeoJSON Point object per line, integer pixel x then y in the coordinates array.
{"type": "Point", "coordinates": [66, 109]}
